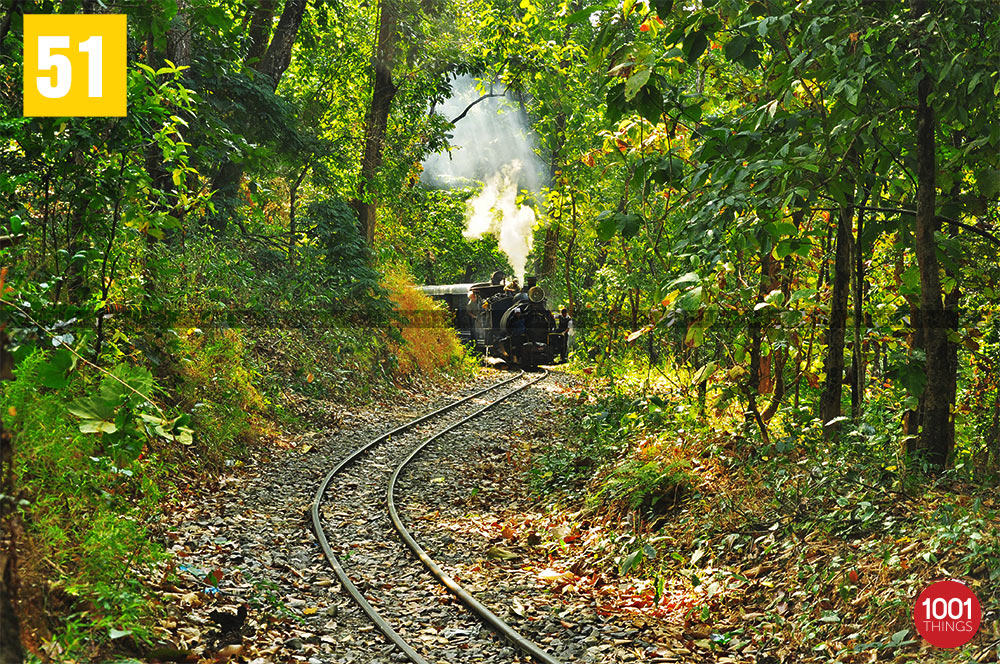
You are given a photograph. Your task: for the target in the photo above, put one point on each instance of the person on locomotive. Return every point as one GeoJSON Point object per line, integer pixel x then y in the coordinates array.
{"type": "Point", "coordinates": [518, 331]}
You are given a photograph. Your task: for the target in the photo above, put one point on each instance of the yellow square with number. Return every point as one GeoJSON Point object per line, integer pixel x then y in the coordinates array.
{"type": "Point", "coordinates": [74, 64]}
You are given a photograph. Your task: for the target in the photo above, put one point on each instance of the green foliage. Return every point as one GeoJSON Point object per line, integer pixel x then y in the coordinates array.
{"type": "Point", "coordinates": [428, 239]}
{"type": "Point", "coordinates": [86, 512]}
{"type": "Point", "coordinates": [651, 487]}
{"type": "Point", "coordinates": [118, 414]}
{"type": "Point", "coordinates": [351, 275]}
{"type": "Point", "coordinates": [219, 387]}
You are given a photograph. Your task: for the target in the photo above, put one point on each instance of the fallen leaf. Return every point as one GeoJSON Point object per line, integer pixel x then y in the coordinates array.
{"type": "Point", "coordinates": [550, 575]}
{"type": "Point", "coordinates": [500, 553]}
{"type": "Point", "coordinates": [228, 652]}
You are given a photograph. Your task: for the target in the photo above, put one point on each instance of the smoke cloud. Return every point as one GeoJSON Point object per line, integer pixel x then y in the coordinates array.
{"type": "Point", "coordinates": [495, 210]}
{"type": "Point", "coordinates": [491, 144]}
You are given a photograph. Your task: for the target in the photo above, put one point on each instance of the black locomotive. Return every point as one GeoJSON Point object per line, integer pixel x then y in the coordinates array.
{"type": "Point", "coordinates": [505, 322]}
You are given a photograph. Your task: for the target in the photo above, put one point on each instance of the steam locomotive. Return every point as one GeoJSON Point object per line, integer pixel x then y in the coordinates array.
{"type": "Point", "coordinates": [513, 325]}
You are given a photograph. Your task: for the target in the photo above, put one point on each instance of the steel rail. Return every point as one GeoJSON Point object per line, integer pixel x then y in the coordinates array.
{"type": "Point", "coordinates": [494, 621]}
{"type": "Point", "coordinates": [324, 544]}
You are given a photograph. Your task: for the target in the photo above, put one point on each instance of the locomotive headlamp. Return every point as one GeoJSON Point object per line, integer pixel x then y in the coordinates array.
{"type": "Point", "coordinates": [536, 294]}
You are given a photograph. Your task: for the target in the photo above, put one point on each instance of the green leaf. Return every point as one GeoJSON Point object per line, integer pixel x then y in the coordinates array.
{"type": "Point", "coordinates": [775, 297]}
{"type": "Point", "coordinates": [695, 335]}
{"type": "Point", "coordinates": [616, 104]}
{"type": "Point", "coordinates": [606, 225]}
{"type": "Point", "coordinates": [628, 225]}
{"type": "Point", "coordinates": [662, 7]}
{"type": "Point", "coordinates": [669, 171]}
{"type": "Point", "coordinates": [988, 182]}
{"type": "Point", "coordinates": [802, 294]}
{"type": "Point", "coordinates": [694, 45]}
{"type": "Point", "coordinates": [596, 52]}
{"type": "Point", "coordinates": [685, 279]}
{"type": "Point", "coordinates": [635, 82]}
{"type": "Point", "coordinates": [911, 376]}
{"type": "Point", "coordinates": [910, 281]}
{"type": "Point", "coordinates": [582, 15]}
{"type": "Point", "coordinates": [93, 408]}
{"type": "Point", "coordinates": [736, 47]}
{"type": "Point", "coordinates": [649, 101]}
{"type": "Point", "coordinates": [630, 561]}
{"type": "Point", "coordinates": [691, 300]}
{"type": "Point", "coordinates": [750, 58]}
{"type": "Point", "coordinates": [98, 426]}
{"type": "Point", "coordinates": [704, 373]}
{"type": "Point", "coordinates": [53, 372]}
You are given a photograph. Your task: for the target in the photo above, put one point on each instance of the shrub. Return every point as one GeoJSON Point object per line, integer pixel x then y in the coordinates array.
{"type": "Point", "coordinates": [220, 389]}
{"type": "Point", "coordinates": [86, 511]}
{"type": "Point", "coordinates": [428, 342]}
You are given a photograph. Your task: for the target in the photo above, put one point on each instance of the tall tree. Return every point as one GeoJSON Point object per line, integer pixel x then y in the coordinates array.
{"type": "Point", "coordinates": [383, 91]}
{"type": "Point", "coordinates": [936, 413]}
{"type": "Point", "coordinates": [269, 55]}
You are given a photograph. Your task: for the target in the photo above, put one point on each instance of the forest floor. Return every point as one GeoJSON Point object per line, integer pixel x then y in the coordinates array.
{"type": "Point", "coordinates": [724, 578]}
{"type": "Point", "coordinates": [246, 539]}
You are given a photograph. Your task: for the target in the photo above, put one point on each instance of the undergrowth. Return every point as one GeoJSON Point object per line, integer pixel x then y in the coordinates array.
{"type": "Point", "coordinates": [242, 349]}
{"type": "Point", "coordinates": [803, 548]}
{"type": "Point", "coordinates": [86, 514]}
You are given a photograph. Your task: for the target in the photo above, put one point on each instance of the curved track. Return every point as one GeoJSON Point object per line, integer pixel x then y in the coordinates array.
{"type": "Point", "coordinates": [495, 623]}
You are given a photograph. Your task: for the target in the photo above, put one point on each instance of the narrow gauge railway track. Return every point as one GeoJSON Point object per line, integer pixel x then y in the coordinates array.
{"type": "Point", "coordinates": [371, 451]}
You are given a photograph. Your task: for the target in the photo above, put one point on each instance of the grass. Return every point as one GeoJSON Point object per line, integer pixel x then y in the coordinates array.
{"type": "Point", "coordinates": [86, 518]}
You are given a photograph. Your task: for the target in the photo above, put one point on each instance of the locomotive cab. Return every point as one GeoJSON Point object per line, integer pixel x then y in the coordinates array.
{"type": "Point", "coordinates": [512, 325]}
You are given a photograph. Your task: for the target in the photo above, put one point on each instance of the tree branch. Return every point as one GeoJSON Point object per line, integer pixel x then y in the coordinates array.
{"type": "Point", "coordinates": [986, 235]}
{"type": "Point", "coordinates": [469, 107]}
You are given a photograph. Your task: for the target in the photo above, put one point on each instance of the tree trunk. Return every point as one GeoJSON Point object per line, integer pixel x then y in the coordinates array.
{"type": "Point", "coordinates": [270, 59]}
{"type": "Point", "coordinates": [551, 244]}
{"type": "Point", "coordinates": [179, 36]}
{"type": "Point", "coordinates": [781, 354]}
{"type": "Point", "coordinates": [829, 403]}
{"type": "Point", "coordinates": [568, 261]}
{"type": "Point", "coordinates": [278, 56]}
{"type": "Point", "coordinates": [857, 357]}
{"type": "Point", "coordinates": [259, 33]}
{"type": "Point", "coordinates": [293, 198]}
{"type": "Point", "coordinates": [934, 437]}
{"type": "Point", "coordinates": [16, 7]}
{"type": "Point", "coordinates": [377, 120]}
{"type": "Point", "coordinates": [10, 633]}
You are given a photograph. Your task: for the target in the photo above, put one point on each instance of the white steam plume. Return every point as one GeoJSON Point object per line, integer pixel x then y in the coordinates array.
{"type": "Point", "coordinates": [495, 210]}
{"type": "Point", "coordinates": [490, 144]}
